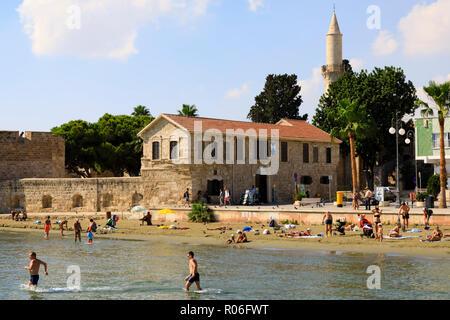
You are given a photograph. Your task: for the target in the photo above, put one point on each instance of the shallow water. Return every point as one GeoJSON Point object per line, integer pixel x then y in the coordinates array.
{"type": "Point", "coordinates": [119, 269]}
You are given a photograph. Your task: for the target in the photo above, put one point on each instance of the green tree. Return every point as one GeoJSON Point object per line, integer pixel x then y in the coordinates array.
{"type": "Point", "coordinates": [440, 95]}
{"type": "Point", "coordinates": [110, 144]}
{"type": "Point", "coordinates": [434, 185]}
{"type": "Point", "coordinates": [188, 111]}
{"type": "Point", "coordinates": [81, 142]}
{"type": "Point", "coordinates": [383, 92]}
{"type": "Point", "coordinates": [141, 111]}
{"type": "Point", "coordinates": [351, 121]}
{"type": "Point", "coordinates": [279, 99]}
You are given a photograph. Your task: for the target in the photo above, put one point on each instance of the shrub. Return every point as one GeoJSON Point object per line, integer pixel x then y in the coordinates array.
{"type": "Point", "coordinates": [299, 196]}
{"type": "Point", "coordinates": [421, 196]}
{"type": "Point", "coordinates": [200, 213]}
{"type": "Point", "coordinates": [434, 185]}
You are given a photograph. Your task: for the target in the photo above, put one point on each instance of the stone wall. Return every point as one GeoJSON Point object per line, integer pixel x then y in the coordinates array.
{"type": "Point", "coordinates": [33, 155]}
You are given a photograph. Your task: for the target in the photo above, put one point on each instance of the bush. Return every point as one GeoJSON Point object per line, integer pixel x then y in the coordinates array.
{"type": "Point", "coordinates": [421, 196]}
{"type": "Point", "coordinates": [299, 196]}
{"type": "Point", "coordinates": [434, 185]}
{"type": "Point", "coordinates": [200, 213]}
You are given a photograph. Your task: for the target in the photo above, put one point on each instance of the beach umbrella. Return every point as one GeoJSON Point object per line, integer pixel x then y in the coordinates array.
{"type": "Point", "coordinates": [165, 211]}
{"type": "Point", "coordinates": [138, 209]}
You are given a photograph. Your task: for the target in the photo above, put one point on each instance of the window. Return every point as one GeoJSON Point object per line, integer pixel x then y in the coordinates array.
{"type": "Point", "coordinates": [155, 150]}
{"type": "Point", "coordinates": [324, 180]}
{"type": "Point", "coordinates": [305, 153]}
{"type": "Point", "coordinates": [262, 149]}
{"type": "Point", "coordinates": [77, 201]}
{"type": "Point", "coordinates": [214, 187]}
{"type": "Point", "coordinates": [315, 155]}
{"type": "Point", "coordinates": [284, 152]}
{"type": "Point", "coordinates": [173, 149]}
{"type": "Point", "coordinates": [306, 180]}
{"type": "Point", "coordinates": [328, 155]}
{"type": "Point", "coordinates": [436, 140]}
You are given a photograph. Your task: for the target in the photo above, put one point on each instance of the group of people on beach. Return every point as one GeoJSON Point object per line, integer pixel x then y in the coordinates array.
{"type": "Point", "coordinates": [224, 197]}
{"type": "Point", "coordinates": [19, 215]}
{"type": "Point", "coordinates": [76, 228]}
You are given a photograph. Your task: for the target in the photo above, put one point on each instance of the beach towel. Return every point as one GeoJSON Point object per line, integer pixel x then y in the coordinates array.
{"type": "Point", "coordinates": [413, 231]}
{"type": "Point", "coordinates": [37, 222]}
{"type": "Point", "coordinates": [164, 227]}
{"type": "Point", "coordinates": [247, 229]}
{"type": "Point", "coordinates": [289, 226]}
{"type": "Point", "coordinates": [304, 237]}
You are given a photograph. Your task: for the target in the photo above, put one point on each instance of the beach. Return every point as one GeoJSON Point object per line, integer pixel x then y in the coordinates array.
{"type": "Point", "coordinates": [198, 234]}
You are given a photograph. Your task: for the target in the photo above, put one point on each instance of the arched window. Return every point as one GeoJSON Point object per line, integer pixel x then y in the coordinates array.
{"type": "Point", "coordinates": [77, 201]}
{"type": "Point", "coordinates": [136, 199]}
{"type": "Point", "coordinates": [306, 180]}
{"type": "Point", "coordinates": [46, 202]}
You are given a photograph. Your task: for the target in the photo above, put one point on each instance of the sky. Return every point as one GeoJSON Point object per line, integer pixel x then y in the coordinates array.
{"type": "Point", "coordinates": [63, 60]}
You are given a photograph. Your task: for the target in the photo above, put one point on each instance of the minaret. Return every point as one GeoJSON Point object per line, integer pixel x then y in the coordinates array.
{"type": "Point", "coordinates": [334, 68]}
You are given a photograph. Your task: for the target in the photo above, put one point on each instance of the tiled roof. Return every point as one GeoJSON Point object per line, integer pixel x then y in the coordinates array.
{"type": "Point", "coordinates": [295, 129]}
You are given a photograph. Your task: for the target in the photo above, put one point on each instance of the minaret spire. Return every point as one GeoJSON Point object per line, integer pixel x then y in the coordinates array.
{"type": "Point", "coordinates": [334, 67]}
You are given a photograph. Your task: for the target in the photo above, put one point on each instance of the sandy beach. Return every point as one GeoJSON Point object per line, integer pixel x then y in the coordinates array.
{"type": "Point", "coordinates": [201, 234]}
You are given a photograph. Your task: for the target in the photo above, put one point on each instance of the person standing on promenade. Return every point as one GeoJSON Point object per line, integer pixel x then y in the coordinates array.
{"type": "Point", "coordinates": [328, 219]}
{"type": "Point", "coordinates": [34, 269]}
{"type": "Point", "coordinates": [47, 227]}
{"type": "Point", "coordinates": [187, 200]}
{"type": "Point", "coordinates": [227, 196]}
{"type": "Point", "coordinates": [355, 203]}
{"type": "Point", "coordinates": [193, 273]}
{"type": "Point", "coordinates": [367, 197]}
{"type": "Point", "coordinates": [77, 230]}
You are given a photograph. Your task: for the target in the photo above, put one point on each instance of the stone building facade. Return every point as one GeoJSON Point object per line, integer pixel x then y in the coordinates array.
{"type": "Point", "coordinates": [303, 150]}
{"type": "Point", "coordinates": [169, 166]}
{"type": "Point", "coordinates": [31, 155]}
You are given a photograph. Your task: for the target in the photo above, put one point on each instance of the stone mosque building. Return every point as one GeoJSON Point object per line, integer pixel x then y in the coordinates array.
{"type": "Point", "coordinates": [305, 158]}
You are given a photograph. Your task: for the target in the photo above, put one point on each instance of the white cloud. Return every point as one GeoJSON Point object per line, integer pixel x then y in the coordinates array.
{"type": "Point", "coordinates": [356, 64]}
{"type": "Point", "coordinates": [426, 29]}
{"type": "Point", "coordinates": [312, 89]}
{"type": "Point", "coordinates": [384, 44]}
{"type": "Point", "coordinates": [107, 28]}
{"type": "Point", "coordinates": [254, 5]}
{"type": "Point", "coordinates": [237, 92]}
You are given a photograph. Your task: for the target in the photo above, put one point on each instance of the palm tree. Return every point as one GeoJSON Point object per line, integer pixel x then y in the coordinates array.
{"type": "Point", "coordinates": [188, 111]}
{"type": "Point", "coordinates": [440, 95]}
{"type": "Point", "coordinates": [141, 111]}
{"type": "Point", "coordinates": [353, 123]}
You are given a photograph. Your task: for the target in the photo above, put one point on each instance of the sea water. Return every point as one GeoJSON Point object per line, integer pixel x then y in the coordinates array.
{"type": "Point", "coordinates": [119, 269]}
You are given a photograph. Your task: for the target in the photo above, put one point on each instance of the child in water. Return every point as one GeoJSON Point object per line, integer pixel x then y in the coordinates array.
{"type": "Point", "coordinates": [90, 236]}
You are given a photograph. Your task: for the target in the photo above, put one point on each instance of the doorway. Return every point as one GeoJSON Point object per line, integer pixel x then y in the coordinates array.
{"type": "Point", "coordinates": [261, 184]}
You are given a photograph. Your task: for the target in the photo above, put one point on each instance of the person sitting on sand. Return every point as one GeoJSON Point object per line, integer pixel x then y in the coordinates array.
{"type": "Point", "coordinates": [350, 227]}
{"type": "Point", "coordinates": [24, 216]}
{"type": "Point", "coordinates": [242, 237]}
{"type": "Point", "coordinates": [231, 239]}
{"type": "Point", "coordinates": [437, 235]}
{"type": "Point", "coordinates": [306, 233]}
{"type": "Point", "coordinates": [147, 218]}
{"type": "Point", "coordinates": [395, 233]}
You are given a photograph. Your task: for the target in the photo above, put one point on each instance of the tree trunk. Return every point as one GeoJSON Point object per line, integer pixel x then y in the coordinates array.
{"type": "Point", "coordinates": [443, 170]}
{"type": "Point", "coordinates": [351, 137]}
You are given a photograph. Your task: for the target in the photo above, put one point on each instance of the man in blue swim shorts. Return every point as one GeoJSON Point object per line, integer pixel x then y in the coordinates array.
{"type": "Point", "coordinates": [34, 269]}
{"type": "Point", "coordinates": [193, 273]}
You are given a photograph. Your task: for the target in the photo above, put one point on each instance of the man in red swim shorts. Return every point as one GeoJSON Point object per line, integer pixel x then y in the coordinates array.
{"type": "Point", "coordinates": [47, 227]}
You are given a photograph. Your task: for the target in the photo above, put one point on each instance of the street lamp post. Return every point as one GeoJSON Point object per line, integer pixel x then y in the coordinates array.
{"type": "Point", "coordinates": [402, 132]}
{"type": "Point", "coordinates": [408, 140]}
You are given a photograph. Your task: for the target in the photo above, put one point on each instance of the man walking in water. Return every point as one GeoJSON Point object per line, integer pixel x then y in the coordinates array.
{"type": "Point", "coordinates": [193, 273]}
{"type": "Point", "coordinates": [77, 229]}
{"type": "Point", "coordinates": [34, 269]}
